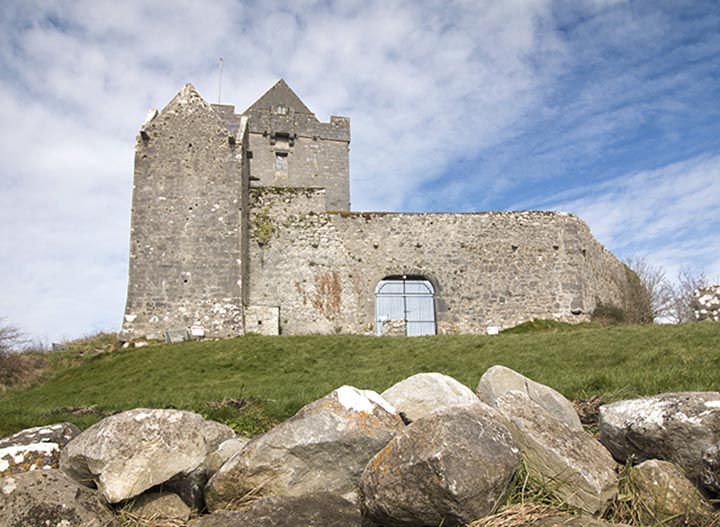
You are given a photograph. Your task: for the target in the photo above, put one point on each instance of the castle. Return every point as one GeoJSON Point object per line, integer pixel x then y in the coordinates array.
{"type": "Point", "coordinates": [241, 223]}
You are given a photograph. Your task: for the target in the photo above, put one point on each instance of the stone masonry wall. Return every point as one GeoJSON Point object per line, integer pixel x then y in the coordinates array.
{"type": "Point", "coordinates": [311, 162]}
{"type": "Point", "coordinates": [185, 248]}
{"type": "Point", "coordinates": [494, 269]}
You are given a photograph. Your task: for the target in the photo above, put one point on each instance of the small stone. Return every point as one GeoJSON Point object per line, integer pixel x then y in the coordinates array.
{"type": "Point", "coordinates": [160, 505]}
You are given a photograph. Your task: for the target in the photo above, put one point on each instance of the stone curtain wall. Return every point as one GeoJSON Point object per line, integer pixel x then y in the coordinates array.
{"type": "Point", "coordinates": [185, 248]}
{"type": "Point", "coordinates": [488, 269]}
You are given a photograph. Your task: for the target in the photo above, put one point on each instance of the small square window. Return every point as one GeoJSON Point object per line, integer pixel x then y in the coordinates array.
{"type": "Point", "coordinates": [281, 162]}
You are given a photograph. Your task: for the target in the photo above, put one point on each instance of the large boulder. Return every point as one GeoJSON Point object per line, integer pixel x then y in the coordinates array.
{"type": "Point", "coordinates": [324, 447]}
{"type": "Point", "coordinates": [128, 453]}
{"type": "Point", "coordinates": [665, 496]}
{"type": "Point", "coordinates": [676, 427]}
{"type": "Point", "coordinates": [313, 510]}
{"type": "Point", "coordinates": [50, 498]}
{"type": "Point", "coordinates": [447, 468]}
{"type": "Point", "coordinates": [422, 393]}
{"type": "Point", "coordinates": [499, 380]}
{"type": "Point", "coordinates": [571, 462]}
{"type": "Point", "coordinates": [35, 448]}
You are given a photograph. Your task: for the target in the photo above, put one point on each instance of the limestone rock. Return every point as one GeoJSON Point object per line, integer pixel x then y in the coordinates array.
{"type": "Point", "coordinates": [35, 448]}
{"type": "Point", "coordinates": [324, 447]}
{"type": "Point", "coordinates": [425, 392]}
{"type": "Point", "coordinates": [225, 451]}
{"type": "Point", "coordinates": [313, 510]}
{"type": "Point", "coordinates": [666, 496]}
{"type": "Point", "coordinates": [50, 498]}
{"type": "Point", "coordinates": [499, 380]}
{"type": "Point", "coordinates": [160, 505]}
{"type": "Point", "coordinates": [675, 427]}
{"type": "Point", "coordinates": [128, 453]}
{"type": "Point", "coordinates": [450, 466]}
{"type": "Point", "coordinates": [572, 462]}
{"type": "Point", "coordinates": [215, 434]}
{"type": "Point", "coordinates": [710, 477]}
{"type": "Point", "coordinates": [190, 487]}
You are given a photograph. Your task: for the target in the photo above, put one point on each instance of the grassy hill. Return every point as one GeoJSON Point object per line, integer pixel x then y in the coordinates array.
{"type": "Point", "coordinates": [252, 382]}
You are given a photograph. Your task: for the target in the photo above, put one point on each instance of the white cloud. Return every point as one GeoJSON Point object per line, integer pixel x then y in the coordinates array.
{"type": "Point", "coordinates": [668, 214]}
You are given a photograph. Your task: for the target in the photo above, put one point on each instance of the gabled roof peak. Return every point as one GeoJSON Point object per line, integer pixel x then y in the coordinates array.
{"type": "Point", "coordinates": [280, 94]}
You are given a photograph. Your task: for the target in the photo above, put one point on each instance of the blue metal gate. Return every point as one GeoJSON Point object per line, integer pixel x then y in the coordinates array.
{"type": "Point", "coordinates": [409, 300]}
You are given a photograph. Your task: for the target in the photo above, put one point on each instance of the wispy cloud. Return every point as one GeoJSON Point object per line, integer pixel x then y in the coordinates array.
{"type": "Point", "coordinates": [668, 214]}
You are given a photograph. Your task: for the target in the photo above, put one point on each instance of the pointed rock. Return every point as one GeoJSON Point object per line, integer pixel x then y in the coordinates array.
{"type": "Point", "coordinates": [571, 462]}
{"type": "Point", "coordinates": [499, 380]}
{"type": "Point", "coordinates": [420, 394]}
{"type": "Point", "coordinates": [322, 448]}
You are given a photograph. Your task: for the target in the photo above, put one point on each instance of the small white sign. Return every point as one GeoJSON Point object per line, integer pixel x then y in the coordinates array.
{"type": "Point", "coordinates": [493, 330]}
{"type": "Point", "coordinates": [197, 331]}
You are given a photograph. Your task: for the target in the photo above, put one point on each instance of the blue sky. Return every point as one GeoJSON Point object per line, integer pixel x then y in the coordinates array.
{"type": "Point", "coordinates": [609, 109]}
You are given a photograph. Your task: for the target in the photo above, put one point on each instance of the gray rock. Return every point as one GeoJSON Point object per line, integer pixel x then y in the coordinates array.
{"type": "Point", "coordinates": [215, 434]}
{"type": "Point", "coordinates": [190, 487]}
{"type": "Point", "coordinates": [675, 427]}
{"type": "Point", "coordinates": [225, 451]}
{"type": "Point", "coordinates": [160, 505]}
{"type": "Point", "coordinates": [451, 467]}
{"type": "Point", "coordinates": [710, 477]}
{"type": "Point", "coordinates": [324, 447]}
{"type": "Point", "coordinates": [571, 462]}
{"type": "Point", "coordinates": [35, 448]}
{"type": "Point", "coordinates": [50, 498]}
{"type": "Point", "coordinates": [665, 496]}
{"type": "Point", "coordinates": [499, 380]}
{"type": "Point", "coordinates": [425, 392]}
{"type": "Point", "coordinates": [313, 510]}
{"type": "Point", "coordinates": [128, 453]}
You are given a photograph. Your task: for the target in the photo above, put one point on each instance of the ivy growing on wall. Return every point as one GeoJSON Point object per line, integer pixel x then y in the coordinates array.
{"type": "Point", "coordinates": [264, 227]}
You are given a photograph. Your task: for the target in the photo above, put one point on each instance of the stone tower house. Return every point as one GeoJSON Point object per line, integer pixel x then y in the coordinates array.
{"type": "Point", "coordinates": [242, 223]}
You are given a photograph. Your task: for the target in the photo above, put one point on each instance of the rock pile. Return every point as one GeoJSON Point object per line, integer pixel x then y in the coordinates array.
{"type": "Point", "coordinates": [427, 452]}
{"type": "Point", "coordinates": [706, 303]}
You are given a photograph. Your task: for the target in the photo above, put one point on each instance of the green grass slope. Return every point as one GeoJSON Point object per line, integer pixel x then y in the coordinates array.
{"type": "Point", "coordinates": [252, 382]}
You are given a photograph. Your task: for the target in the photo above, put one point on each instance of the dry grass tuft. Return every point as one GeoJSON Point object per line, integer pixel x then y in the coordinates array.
{"type": "Point", "coordinates": [520, 515]}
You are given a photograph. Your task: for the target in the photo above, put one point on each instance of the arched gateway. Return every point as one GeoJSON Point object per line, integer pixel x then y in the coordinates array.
{"type": "Point", "coordinates": [405, 305]}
